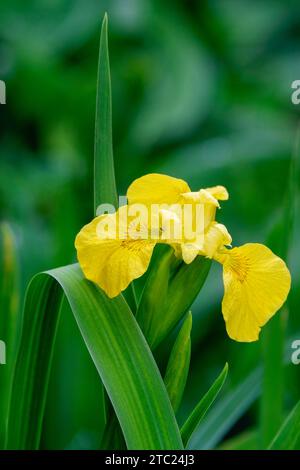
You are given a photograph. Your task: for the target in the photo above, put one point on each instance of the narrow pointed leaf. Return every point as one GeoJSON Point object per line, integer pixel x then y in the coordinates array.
{"type": "Point", "coordinates": [179, 363]}
{"type": "Point", "coordinates": [118, 349]}
{"type": "Point", "coordinates": [105, 190]}
{"type": "Point", "coordinates": [225, 414]}
{"type": "Point", "coordinates": [200, 410]}
{"type": "Point", "coordinates": [289, 434]}
{"type": "Point", "coordinates": [104, 174]}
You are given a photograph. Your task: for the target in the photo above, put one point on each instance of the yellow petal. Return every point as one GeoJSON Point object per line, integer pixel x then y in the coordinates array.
{"type": "Point", "coordinates": [209, 198]}
{"type": "Point", "coordinates": [124, 264]}
{"type": "Point", "coordinates": [219, 192]}
{"type": "Point", "coordinates": [201, 199]}
{"type": "Point", "coordinates": [111, 263]}
{"type": "Point", "coordinates": [202, 196]}
{"type": "Point", "coordinates": [256, 284]}
{"type": "Point", "coordinates": [189, 251]}
{"type": "Point", "coordinates": [216, 193]}
{"type": "Point", "coordinates": [206, 244]}
{"type": "Point", "coordinates": [156, 189]}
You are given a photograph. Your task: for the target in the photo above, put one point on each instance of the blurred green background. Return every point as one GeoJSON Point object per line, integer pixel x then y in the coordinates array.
{"type": "Point", "coordinates": [201, 91]}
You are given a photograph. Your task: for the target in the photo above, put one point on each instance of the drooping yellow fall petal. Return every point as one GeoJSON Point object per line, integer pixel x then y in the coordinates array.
{"type": "Point", "coordinates": [155, 188]}
{"type": "Point", "coordinates": [256, 284]}
{"type": "Point", "coordinates": [124, 264]}
{"type": "Point", "coordinates": [110, 262]}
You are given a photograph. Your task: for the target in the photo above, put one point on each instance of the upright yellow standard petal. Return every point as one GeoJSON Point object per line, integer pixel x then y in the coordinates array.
{"type": "Point", "coordinates": [162, 189]}
{"type": "Point", "coordinates": [112, 263]}
{"type": "Point", "coordinates": [156, 189]}
{"type": "Point", "coordinates": [256, 284]}
{"type": "Point", "coordinates": [203, 196]}
{"type": "Point", "coordinates": [209, 198]}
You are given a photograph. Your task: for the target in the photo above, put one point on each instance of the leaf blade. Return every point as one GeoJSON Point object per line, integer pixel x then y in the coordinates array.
{"type": "Point", "coordinates": [201, 409]}
{"type": "Point", "coordinates": [10, 324]}
{"type": "Point", "coordinates": [115, 343]}
{"type": "Point", "coordinates": [33, 364]}
{"type": "Point", "coordinates": [289, 433]}
{"type": "Point", "coordinates": [105, 191]}
{"type": "Point", "coordinates": [226, 412]}
{"type": "Point", "coordinates": [179, 363]}
{"type": "Point", "coordinates": [273, 336]}
{"type": "Point", "coordinates": [179, 284]}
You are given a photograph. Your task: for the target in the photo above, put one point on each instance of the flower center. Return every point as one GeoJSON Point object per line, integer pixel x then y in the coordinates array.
{"type": "Point", "coordinates": [239, 265]}
{"type": "Point", "coordinates": [133, 245]}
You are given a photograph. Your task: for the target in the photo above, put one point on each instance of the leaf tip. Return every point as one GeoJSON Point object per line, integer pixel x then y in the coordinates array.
{"type": "Point", "coordinates": [188, 321]}
{"type": "Point", "coordinates": [105, 19]}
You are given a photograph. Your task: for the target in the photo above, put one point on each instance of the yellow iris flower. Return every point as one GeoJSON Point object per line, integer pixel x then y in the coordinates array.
{"type": "Point", "coordinates": [256, 281]}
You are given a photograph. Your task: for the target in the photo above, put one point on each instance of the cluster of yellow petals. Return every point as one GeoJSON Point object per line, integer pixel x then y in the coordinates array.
{"type": "Point", "coordinates": [256, 281]}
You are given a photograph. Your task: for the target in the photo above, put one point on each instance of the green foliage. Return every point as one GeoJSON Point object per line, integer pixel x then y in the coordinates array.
{"type": "Point", "coordinates": [179, 284]}
{"type": "Point", "coordinates": [118, 349]}
{"type": "Point", "coordinates": [179, 364]}
{"type": "Point", "coordinates": [227, 412]}
{"type": "Point", "coordinates": [105, 191]}
{"type": "Point", "coordinates": [288, 435]}
{"type": "Point", "coordinates": [273, 336]}
{"type": "Point", "coordinates": [10, 322]}
{"type": "Point", "coordinates": [201, 92]}
{"type": "Point", "coordinates": [201, 409]}
{"type": "Point", "coordinates": [33, 364]}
